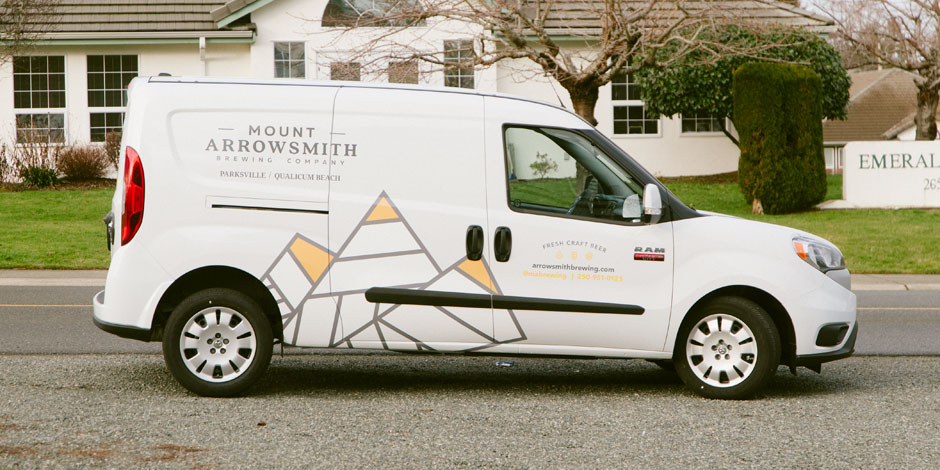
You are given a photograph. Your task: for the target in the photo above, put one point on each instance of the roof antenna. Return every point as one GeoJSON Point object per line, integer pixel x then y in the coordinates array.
{"type": "Point", "coordinates": [560, 102]}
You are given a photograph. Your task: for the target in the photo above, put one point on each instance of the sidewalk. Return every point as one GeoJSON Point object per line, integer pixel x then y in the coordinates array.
{"type": "Point", "coordinates": [895, 282]}
{"type": "Point", "coordinates": [44, 278]}
{"type": "Point", "coordinates": [30, 278]}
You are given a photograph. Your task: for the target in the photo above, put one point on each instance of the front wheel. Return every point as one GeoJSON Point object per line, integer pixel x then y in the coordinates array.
{"type": "Point", "coordinates": [729, 349]}
{"type": "Point", "coordinates": [217, 342]}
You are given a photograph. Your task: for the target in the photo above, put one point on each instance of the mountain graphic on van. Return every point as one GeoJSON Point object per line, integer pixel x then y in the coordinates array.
{"type": "Point", "coordinates": [319, 311]}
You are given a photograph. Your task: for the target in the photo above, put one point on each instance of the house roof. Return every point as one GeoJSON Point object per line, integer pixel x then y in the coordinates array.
{"type": "Point", "coordinates": [582, 17]}
{"type": "Point", "coordinates": [879, 101]}
{"type": "Point", "coordinates": [84, 19]}
{"type": "Point", "coordinates": [115, 19]}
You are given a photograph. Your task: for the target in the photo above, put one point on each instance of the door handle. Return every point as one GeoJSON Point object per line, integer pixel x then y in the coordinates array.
{"type": "Point", "coordinates": [474, 242]}
{"type": "Point", "coordinates": [502, 244]}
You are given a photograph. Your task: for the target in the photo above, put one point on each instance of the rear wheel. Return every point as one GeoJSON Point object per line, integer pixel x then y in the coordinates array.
{"type": "Point", "coordinates": [729, 348]}
{"type": "Point", "coordinates": [217, 342]}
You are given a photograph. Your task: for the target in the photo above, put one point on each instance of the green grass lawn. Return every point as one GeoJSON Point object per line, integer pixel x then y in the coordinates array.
{"type": "Point", "coordinates": [63, 229]}
{"type": "Point", "coordinates": [54, 229]}
{"type": "Point", "coordinates": [872, 241]}
{"type": "Point", "coordinates": [557, 192]}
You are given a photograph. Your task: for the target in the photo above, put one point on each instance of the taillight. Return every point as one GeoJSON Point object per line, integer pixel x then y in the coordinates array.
{"type": "Point", "coordinates": [133, 196]}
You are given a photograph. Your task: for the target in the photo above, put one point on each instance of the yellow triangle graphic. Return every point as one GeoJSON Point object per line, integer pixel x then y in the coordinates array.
{"type": "Point", "coordinates": [383, 211]}
{"type": "Point", "coordinates": [477, 270]}
{"type": "Point", "coordinates": [313, 259]}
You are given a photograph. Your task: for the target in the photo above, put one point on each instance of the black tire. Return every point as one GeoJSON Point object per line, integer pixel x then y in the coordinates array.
{"type": "Point", "coordinates": [228, 347]}
{"type": "Point", "coordinates": [728, 349]}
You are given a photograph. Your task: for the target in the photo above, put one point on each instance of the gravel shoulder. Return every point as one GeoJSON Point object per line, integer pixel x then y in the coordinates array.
{"type": "Point", "coordinates": [366, 410]}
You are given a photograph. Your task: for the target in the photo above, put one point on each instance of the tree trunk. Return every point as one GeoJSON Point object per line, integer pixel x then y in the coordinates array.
{"type": "Point", "coordinates": [925, 120]}
{"type": "Point", "coordinates": [757, 207]}
{"type": "Point", "coordinates": [584, 100]}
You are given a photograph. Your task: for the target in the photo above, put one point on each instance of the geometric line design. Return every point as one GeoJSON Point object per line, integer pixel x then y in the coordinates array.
{"type": "Point", "coordinates": [478, 272]}
{"type": "Point", "coordinates": [383, 210]}
{"type": "Point", "coordinates": [315, 261]}
{"type": "Point", "coordinates": [312, 258]}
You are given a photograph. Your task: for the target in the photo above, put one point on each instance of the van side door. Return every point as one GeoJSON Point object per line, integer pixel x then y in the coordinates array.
{"type": "Point", "coordinates": [579, 269]}
{"type": "Point", "coordinates": [407, 221]}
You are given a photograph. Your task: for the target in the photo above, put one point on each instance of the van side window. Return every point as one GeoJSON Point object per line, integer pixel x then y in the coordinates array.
{"type": "Point", "coordinates": [543, 166]}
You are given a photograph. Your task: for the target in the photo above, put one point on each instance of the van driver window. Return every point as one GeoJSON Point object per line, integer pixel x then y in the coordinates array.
{"type": "Point", "coordinates": [560, 172]}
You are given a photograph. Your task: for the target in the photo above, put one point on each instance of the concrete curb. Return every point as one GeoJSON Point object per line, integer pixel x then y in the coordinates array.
{"type": "Point", "coordinates": [897, 282]}
{"type": "Point", "coordinates": [52, 278]}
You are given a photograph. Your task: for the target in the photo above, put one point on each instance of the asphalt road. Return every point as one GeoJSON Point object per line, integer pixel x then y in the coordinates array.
{"type": "Point", "coordinates": [404, 411]}
{"type": "Point", "coordinates": [57, 319]}
{"type": "Point", "coordinates": [87, 407]}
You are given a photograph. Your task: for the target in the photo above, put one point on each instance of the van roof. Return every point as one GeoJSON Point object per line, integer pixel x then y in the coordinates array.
{"type": "Point", "coordinates": [344, 84]}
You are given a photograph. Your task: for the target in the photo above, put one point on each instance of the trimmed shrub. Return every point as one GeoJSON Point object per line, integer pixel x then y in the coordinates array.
{"type": "Point", "coordinates": [81, 163]}
{"type": "Point", "coordinates": [778, 115]}
{"type": "Point", "coordinates": [112, 145]}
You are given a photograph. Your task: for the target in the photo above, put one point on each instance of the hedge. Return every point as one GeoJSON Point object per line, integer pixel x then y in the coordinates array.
{"type": "Point", "coordinates": [778, 115]}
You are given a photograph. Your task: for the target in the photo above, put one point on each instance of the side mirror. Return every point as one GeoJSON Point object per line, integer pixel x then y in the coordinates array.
{"type": "Point", "coordinates": [652, 204]}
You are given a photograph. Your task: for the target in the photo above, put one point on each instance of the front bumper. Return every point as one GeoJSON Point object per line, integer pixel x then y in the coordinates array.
{"type": "Point", "coordinates": [814, 361]}
{"type": "Point", "coordinates": [140, 334]}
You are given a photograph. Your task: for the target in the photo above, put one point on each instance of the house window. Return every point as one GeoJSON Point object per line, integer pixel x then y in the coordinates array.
{"type": "Point", "coordinates": [458, 55]}
{"type": "Point", "coordinates": [108, 77]}
{"type": "Point", "coordinates": [104, 123]}
{"type": "Point", "coordinates": [403, 72]}
{"type": "Point", "coordinates": [289, 60]}
{"type": "Point", "coordinates": [376, 13]}
{"type": "Point", "coordinates": [39, 98]}
{"type": "Point", "coordinates": [629, 111]}
{"type": "Point", "coordinates": [349, 71]}
{"type": "Point", "coordinates": [701, 123]}
{"type": "Point", "coordinates": [35, 128]}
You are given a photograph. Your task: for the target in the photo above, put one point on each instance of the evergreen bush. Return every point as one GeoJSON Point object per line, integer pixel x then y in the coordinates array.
{"type": "Point", "coordinates": [34, 159]}
{"type": "Point", "coordinates": [38, 176]}
{"type": "Point", "coordinates": [778, 115]}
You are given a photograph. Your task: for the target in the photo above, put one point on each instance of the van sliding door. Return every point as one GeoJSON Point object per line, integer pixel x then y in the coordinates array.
{"type": "Point", "coordinates": [407, 219]}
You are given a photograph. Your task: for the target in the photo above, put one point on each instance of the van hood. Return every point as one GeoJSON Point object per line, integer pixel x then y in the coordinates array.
{"type": "Point", "coordinates": [769, 226]}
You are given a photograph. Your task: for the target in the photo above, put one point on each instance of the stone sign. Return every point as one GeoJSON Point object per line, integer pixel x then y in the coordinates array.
{"type": "Point", "coordinates": [891, 174]}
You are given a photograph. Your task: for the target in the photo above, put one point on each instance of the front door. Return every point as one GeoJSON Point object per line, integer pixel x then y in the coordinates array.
{"type": "Point", "coordinates": [579, 270]}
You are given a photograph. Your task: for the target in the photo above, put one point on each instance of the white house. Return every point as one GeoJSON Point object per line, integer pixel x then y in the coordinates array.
{"type": "Point", "coordinates": [70, 84]}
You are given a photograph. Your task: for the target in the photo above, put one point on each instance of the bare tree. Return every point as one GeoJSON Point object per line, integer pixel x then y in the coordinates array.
{"type": "Point", "coordinates": [21, 22]}
{"type": "Point", "coordinates": [901, 34]}
{"type": "Point", "coordinates": [581, 44]}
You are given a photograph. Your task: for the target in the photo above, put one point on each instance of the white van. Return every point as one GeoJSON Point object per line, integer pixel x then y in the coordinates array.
{"type": "Point", "coordinates": [338, 215]}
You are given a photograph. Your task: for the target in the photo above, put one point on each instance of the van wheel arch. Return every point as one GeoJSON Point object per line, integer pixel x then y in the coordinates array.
{"type": "Point", "coordinates": [771, 305]}
{"type": "Point", "coordinates": [216, 277]}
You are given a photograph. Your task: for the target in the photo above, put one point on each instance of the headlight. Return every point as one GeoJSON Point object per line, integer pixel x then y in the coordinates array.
{"type": "Point", "coordinates": [819, 255]}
